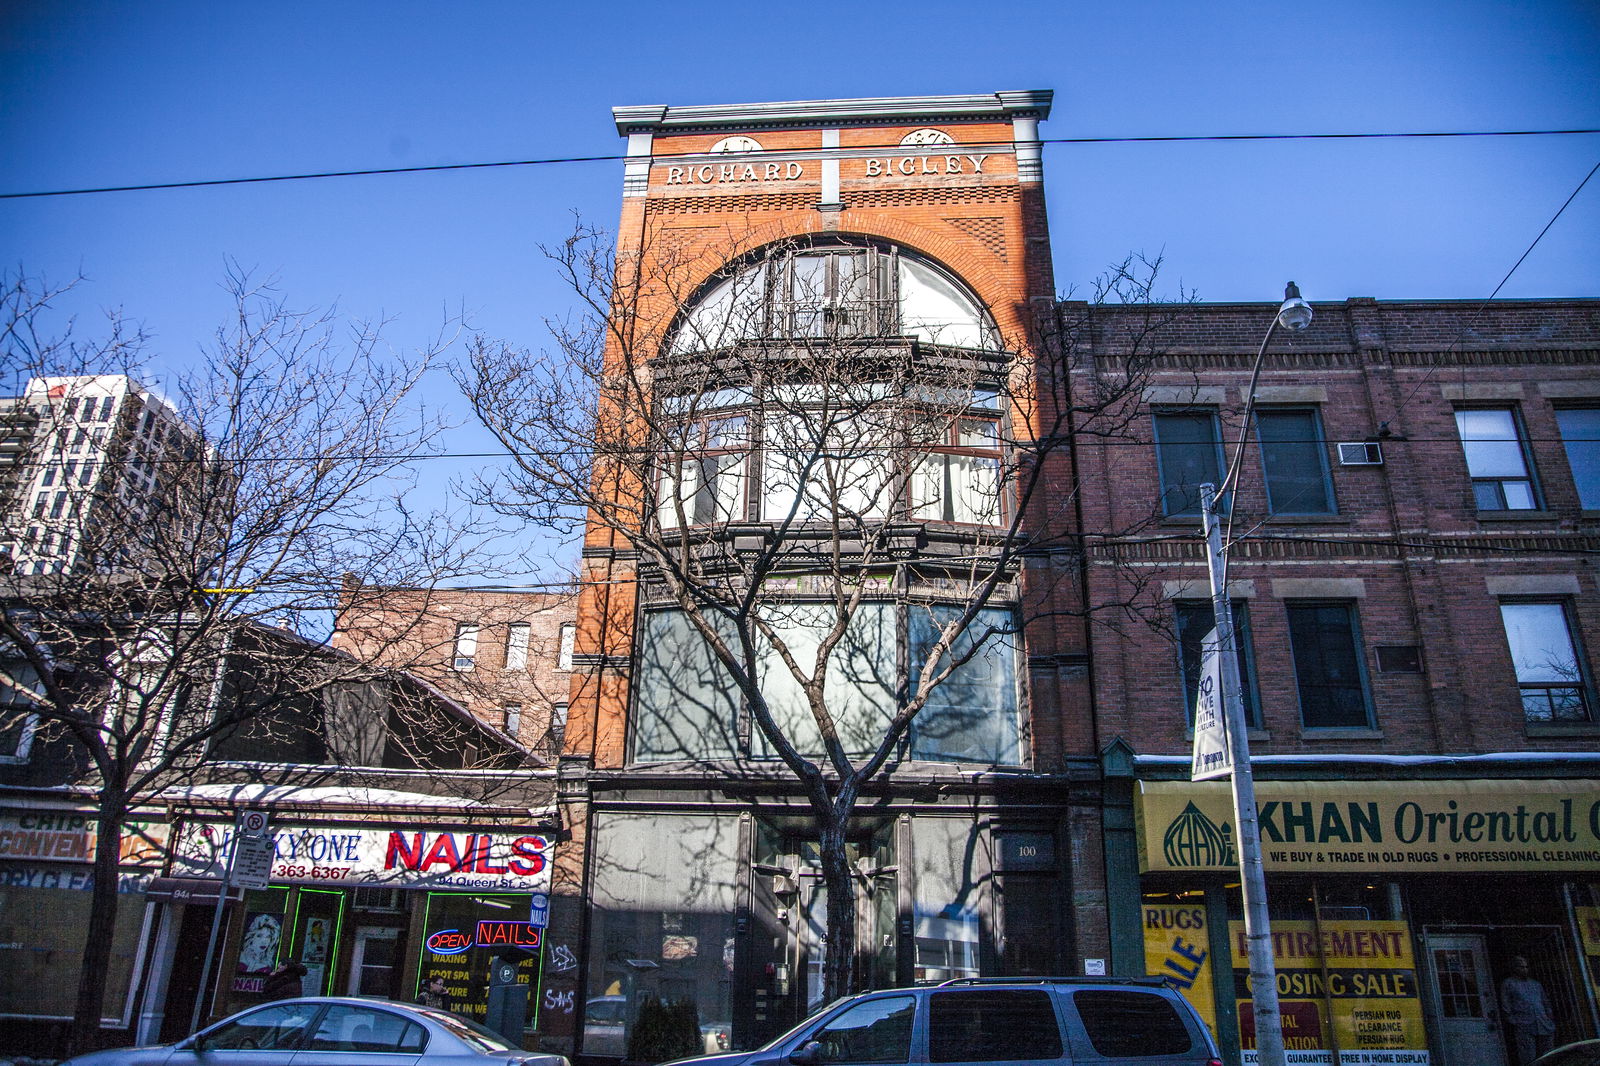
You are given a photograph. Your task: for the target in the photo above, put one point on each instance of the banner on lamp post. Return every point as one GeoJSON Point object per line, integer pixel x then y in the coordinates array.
{"type": "Point", "coordinates": [1213, 757]}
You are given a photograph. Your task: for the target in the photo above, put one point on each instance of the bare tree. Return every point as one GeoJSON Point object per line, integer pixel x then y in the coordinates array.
{"type": "Point", "coordinates": [174, 534]}
{"type": "Point", "coordinates": [792, 446]}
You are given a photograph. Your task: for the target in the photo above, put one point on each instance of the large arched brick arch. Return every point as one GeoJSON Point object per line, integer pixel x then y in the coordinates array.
{"type": "Point", "coordinates": [964, 257]}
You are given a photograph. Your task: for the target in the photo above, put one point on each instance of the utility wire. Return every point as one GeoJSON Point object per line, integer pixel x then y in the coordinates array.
{"type": "Point", "coordinates": [560, 160]}
{"type": "Point", "coordinates": [1473, 318]}
{"type": "Point", "coordinates": [843, 454]}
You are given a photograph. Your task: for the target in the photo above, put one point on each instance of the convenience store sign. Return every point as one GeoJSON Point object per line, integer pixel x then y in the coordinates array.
{"type": "Point", "coordinates": [1431, 826]}
{"type": "Point", "coordinates": [395, 857]}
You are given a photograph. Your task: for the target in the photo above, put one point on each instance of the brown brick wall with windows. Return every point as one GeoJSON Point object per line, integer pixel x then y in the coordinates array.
{"type": "Point", "coordinates": [416, 630]}
{"type": "Point", "coordinates": [1408, 547]}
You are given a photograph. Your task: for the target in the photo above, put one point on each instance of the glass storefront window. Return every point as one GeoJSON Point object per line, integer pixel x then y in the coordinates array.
{"type": "Point", "coordinates": [262, 945]}
{"type": "Point", "coordinates": [662, 935]}
{"type": "Point", "coordinates": [450, 950]}
{"type": "Point", "coordinates": [952, 890]}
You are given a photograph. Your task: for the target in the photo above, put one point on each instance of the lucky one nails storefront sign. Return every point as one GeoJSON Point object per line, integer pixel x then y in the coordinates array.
{"type": "Point", "coordinates": [398, 857]}
{"type": "Point", "coordinates": [1418, 826]}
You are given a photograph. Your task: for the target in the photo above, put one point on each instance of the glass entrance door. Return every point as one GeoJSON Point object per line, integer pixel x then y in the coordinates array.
{"type": "Point", "coordinates": [374, 962]}
{"type": "Point", "coordinates": [318, 915]}
{"type": "Point", "coordinates": [790, 917]}
{"type": "Point", "coordinates": [1464, 1001]}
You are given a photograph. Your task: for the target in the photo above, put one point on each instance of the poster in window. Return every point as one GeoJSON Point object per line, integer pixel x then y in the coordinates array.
{"type": "Point", "coordinates": [258, 950]}
{"type": "Point", "coordinates": [1177, 947]}
{"type": "Point", "coordinates": [1348, 993]}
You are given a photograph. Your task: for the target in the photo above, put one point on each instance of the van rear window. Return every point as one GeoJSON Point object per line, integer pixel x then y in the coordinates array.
{"type": "Point", "coordinates": [1128, 1024]}
{"type": "Point", "coordinates": [992, 1025]}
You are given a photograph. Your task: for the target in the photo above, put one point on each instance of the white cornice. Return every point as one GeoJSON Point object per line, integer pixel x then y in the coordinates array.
{"type": "Point", "coordinates": [1001, 106]}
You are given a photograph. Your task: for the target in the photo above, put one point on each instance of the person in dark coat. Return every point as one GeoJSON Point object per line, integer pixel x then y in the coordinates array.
{"type": "Point", "coordinates": [284, 982]}
{"type": "Point", "coordinates": [433, 994]}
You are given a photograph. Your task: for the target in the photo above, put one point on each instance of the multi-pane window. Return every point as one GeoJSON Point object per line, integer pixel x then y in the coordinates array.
{"type": "Point", "coordinates": [517, 646]}
{"type": "Point", "coordinates": [705, 484]}
{"type": "Point", "coordinates": [1189, 454]}
{"type": "Point", "coordinates": [1580, 432]}
{"type": "Point", "coordinates": [1497, 459]}
{"type": "Point", "coordinates": [1195, 620]}
{"type": "Point", "coordinates": [1550, 674]}
{"type": "Point", "coordinates": [1294, 461]}
{"type": "Point", "coordinates": [1328, 670]}
{"type": "Point", "coordinates": [830, 463]}
{"type": "Point", "coordinates": [19, 692]}
{"type": "Point", "coordinates": [961, 481]}
{"type": "Point", "coordinates": [466, 650]}
{"type": "Point", "coordinates": [837, 291]}
{"type": "Point", "coordinates": [688, 707]}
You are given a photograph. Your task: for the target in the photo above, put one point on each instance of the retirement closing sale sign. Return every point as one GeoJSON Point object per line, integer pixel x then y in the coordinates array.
{"type": "Point", "coordinates": [1432, 826]}
{"type": "Point", "coordinates": [1344, 987]}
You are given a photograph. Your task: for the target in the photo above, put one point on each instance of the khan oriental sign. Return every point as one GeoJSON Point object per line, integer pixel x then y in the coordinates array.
{"type": "Point", "coordinates": [1419, 826]}
{"type": "Point", "coordinates": [395, 857]}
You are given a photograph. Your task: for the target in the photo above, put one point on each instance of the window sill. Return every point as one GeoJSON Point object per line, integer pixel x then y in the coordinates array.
{"type": "Point", "coordinates": [1562, 729]}
{"type": "Point", "coordinates": [1308, 520]}
{"type": "Point", "coordinates": [1517, 516]}
{"type": "Point", "coordinates": [1339, 733]}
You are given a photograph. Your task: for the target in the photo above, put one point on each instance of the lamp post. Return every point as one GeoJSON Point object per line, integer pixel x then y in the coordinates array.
{"type": "Point", "coordinates": [1294, 315]}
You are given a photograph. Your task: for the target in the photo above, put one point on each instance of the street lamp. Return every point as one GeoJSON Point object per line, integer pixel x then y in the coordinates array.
{"type": "Point", "coordinates": [1294, 315]}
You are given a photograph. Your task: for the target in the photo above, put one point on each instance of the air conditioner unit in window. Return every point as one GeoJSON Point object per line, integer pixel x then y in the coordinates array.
{"type": "Point", "coordinates": [1361, 453]}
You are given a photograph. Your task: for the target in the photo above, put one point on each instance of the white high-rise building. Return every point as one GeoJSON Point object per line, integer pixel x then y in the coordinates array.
{"type": "Point", "coordinates": [96, 460]}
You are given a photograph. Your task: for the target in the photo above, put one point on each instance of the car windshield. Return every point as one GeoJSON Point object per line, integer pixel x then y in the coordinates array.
{"type": "Point", "coordinates": [470, 1032]}
{"type": "Point", "coordinates": [813, 1016]}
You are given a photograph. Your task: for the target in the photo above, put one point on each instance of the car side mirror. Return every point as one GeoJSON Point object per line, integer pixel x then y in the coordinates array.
{"type": "Point", "coordinates": [807, 1054]}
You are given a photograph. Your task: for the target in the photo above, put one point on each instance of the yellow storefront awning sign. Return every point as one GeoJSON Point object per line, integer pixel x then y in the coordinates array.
{"type": "Point", "coordinates": [1378, 826]}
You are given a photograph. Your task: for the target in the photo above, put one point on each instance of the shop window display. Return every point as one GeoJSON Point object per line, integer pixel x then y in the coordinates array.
{"type": "Point", "coordinates": [261, 946]}
{"type": "Point", "coordinates": [451, 950]}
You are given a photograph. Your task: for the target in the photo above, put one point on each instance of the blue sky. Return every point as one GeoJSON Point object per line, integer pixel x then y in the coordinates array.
{"type": "Point", "coordinates": [105, 93]}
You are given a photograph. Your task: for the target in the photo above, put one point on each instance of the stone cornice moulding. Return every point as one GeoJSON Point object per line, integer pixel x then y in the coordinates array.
{"type": "Point", "coordinates": [999, 106]}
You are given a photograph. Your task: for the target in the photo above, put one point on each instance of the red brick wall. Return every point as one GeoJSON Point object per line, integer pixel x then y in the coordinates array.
{"type": "Point", "coordinates": [415, 630]}
{"type": "Point", "coordinates": [1407, 529]}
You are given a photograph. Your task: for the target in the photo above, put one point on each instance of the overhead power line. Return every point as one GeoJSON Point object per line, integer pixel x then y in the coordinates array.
{"type": "Point", "coordinates": [560, 160]}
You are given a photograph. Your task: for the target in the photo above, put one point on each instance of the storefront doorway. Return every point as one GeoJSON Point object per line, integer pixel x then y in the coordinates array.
{"type": "Point", "coordinates": [1464, 1000]}
{"type": "Point", "coordinates": [374, 962]}
{"type": "Point", "coordinates": [789, 902]}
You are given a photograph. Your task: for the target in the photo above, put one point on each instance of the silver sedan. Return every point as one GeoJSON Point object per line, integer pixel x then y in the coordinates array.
{"type": "Point", "coordinates": [333, 1031]}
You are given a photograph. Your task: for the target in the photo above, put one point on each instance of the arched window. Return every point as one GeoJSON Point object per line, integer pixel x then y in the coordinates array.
{"type": "Point", "coordinates": [834, 291]}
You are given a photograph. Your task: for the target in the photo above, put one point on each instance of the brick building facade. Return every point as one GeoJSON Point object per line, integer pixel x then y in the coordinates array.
{"type": "Point", "coordinates": [911, 231]}
{"type": "Point", "coordinates": [505, 656]}
{"type": "Point", "coordinates": [1411, 564]}
{"type": "Point", "coordinates": [1411, 542]}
